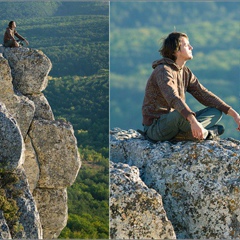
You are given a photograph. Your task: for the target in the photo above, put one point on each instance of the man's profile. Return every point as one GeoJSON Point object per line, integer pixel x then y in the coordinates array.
{"type": "Point", "coordinates": [10, 34]}
{"type": "Point", "coordinates": [166, 115]}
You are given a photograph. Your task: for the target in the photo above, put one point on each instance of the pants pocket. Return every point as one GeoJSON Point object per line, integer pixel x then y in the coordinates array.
{"type": "Point", "coordinates": [159, 130]}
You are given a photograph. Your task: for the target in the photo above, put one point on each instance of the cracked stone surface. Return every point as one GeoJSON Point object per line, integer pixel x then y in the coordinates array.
{"type": "Point", "coordinates": [199, 181]}
{"type": "Point", "coordinates": [136, 211]}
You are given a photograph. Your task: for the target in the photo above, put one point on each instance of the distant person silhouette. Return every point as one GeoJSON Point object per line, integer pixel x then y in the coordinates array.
{"type": "Point", "coordinates": [10, 34]}
{"type": "Point", "coordinates": [166, 115]}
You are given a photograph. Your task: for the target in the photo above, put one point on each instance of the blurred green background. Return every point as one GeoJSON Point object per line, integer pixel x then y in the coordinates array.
{"type": "Point", "coordinates": [136, 30]}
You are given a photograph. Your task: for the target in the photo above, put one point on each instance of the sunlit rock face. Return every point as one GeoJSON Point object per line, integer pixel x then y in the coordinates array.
{"type": "Point", "coordinates": [136, 211]}
{"type": "Point", "coordinates": [39, 157]}
{"type": "Point", "coordinates": [198, 181]}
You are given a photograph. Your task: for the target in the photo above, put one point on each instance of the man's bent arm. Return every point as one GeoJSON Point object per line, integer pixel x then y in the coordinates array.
{"type": "Point", "coordinates": [19, 36]}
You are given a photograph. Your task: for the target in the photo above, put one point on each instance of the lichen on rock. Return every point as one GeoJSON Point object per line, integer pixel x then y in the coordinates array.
{"type": "Point", "coordinates": [30, 68]}
{"type": "Point", "coordinates": [199, 181]}
{"type": "Point", "coordinates": [136, 211]}
{"type": "Point", "coordinates": [11, 142]}
{"type": "Point", "coordinates": [56, 166]}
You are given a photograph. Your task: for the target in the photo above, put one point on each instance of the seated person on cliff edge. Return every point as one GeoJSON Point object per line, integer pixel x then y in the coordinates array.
{"type": "Point", "coordinates": [9, 36]}
{"type": "Point", "coordinates": [166, 116]}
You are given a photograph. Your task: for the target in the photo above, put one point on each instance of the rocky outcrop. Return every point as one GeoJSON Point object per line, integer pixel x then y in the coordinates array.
{"type": "Point", "coordinates": [30, 69]}
{"type": "Point", "coordinates": [199, 182]}
{"type": "Point", "coordinates": [9, 130]}
{"type": "Point", "coordinates": [39, 157]}
{"type": "Point", "coordinates": [136, 211]}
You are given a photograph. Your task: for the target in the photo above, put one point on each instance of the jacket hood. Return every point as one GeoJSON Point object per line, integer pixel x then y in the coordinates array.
{"type": "Point", "coordinates": [167, 61]}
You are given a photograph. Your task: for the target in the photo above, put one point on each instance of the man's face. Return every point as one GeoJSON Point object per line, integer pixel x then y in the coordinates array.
{"type": "Point", "coordinates": [185, 51]}
{"type": "Point", "coordinates": [14, 25]}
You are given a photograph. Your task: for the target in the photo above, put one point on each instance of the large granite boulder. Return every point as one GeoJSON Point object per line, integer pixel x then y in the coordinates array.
{"type": "Point", "coordinates": [43, 109]}
{"type": "Point", "coordinates": [56, 166]}
{"type": "Point", "coordinates": [198, 181]}
{"type": "Point", "coordinates": [19, 106]}
{"type": "Point", "coordinates": [53, 210]}
{"type": "Point", "coordinates": [11, 142]}
{"type": "Point", "coordinates": [30, 68]}
{"type": "Point", "coordinates": [39, 157]}
{"type": "Point", "coordinates": [136, 211]}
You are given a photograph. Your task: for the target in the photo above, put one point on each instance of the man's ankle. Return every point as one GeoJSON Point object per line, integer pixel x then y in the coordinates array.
{"type": "Point", "coordinates": [215, 131]}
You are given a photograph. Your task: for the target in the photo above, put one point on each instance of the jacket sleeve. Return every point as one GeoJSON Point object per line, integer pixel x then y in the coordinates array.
{"type": "Point", "coordinates": [204, 96]}
{"type": "Point", "coordinates": [169, 89]}
{"type": "Point", "coordinates": [18, 36]}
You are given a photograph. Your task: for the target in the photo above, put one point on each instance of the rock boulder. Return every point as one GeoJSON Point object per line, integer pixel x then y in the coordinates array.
{"type": "Point", "coordinates": [11, 142]}
{"type": "Point", "coordinates": [30, 68]}
{"type": "Point", "coordinates": [198, 181]}
{"type": "Point", "coordinates": [136, 211]}
{"type": "Point", "coordinates": [39, 157]}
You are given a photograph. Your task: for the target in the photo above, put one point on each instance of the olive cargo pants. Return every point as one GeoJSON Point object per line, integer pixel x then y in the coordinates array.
{"type": "Point", "coordinates": [169, 125]}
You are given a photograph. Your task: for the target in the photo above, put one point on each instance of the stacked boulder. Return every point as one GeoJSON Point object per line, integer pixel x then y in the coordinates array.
{"type": "Point", "coordinates": [39, 150]}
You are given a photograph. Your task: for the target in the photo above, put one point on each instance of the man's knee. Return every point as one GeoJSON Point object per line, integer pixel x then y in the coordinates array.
{"type": "Point", "coordinates": [178, 121]}
{"type": "Point", "coordinates": [15, 44]}
{"type": "Point", "coordinates": [176, 115]}
{"type": "Point", "coordinates": [11, 43]}
{"type": "Point", "coordinates": [217, 113]}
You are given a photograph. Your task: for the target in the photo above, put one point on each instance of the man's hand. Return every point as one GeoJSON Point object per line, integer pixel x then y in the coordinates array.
{"type": "Point", "coordinates": [235, 116]}
{"type": "Point", "coordinates": [26, 41]}
{"type": "Point", "coordinates": [198, 131]}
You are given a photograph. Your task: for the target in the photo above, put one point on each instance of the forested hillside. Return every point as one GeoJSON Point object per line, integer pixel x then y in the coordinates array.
{"type": "Point", "coordinates": [74, 35]}
{"type": "Point", "coordinates": [85, 105]}
{"type": "Point", "coordinates": [136, 30]}
{"type": "Point", "coordinates": [76, 43]}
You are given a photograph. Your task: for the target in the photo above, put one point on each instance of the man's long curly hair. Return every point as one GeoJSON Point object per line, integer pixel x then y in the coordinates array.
{"type": "Point", "coordinates": [171, 44]}
{"type": "Point", "coordinates": [10, 23]}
